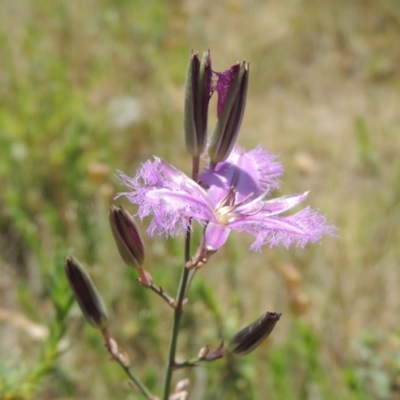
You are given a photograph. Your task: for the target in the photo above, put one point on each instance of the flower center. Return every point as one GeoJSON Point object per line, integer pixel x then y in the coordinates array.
{"type": "Point", "coordinates": [226, 209]}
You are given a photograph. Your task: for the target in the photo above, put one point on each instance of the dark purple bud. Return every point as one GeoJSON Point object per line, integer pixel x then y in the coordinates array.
{"type": "Point", "coordinates": [127, 236]}
{"type": "Point", "coordinates": [232, 93]}
{"type": "Point", "coordinates": [250, 337]}
{"type": "Point", "coordinates": [86, 294]}
{"type": "Point", "coordinates": [197, 97]}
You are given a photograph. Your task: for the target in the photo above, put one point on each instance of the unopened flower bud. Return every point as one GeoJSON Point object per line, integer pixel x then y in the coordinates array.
{"type": "Point", "coordinates": [250, 337]}
{"type": "Point", "coordinates": [86, 294]}
{"type": "Point", "coordinates": [127, 237]}
{"type": "Point", "coordinates": [232, 94]}
{"type": "Point", "coordinates": [197, 97]}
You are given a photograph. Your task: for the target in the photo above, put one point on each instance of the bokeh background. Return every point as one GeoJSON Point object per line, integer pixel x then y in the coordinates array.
{"type": "Point", "coordinates": [93, 86]}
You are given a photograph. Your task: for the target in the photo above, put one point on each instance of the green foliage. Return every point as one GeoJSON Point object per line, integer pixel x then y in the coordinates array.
{"type": "Point", "coordinates": [23, 380]}
{"type": "Point", "coordinates": [300, 369]}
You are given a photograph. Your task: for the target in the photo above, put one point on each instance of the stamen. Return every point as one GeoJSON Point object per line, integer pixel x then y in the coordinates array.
{"type": "Point", "coordinates": [225, 208]}
{"type": "Point", "coordinates": [228, 199]}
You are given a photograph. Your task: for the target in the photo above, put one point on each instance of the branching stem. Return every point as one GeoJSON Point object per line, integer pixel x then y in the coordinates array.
{"type": "Point", "coordinates": [159, 290]}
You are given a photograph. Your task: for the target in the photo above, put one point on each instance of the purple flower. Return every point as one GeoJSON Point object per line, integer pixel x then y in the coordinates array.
{"type": "Point", "coordinates": [232, 196]}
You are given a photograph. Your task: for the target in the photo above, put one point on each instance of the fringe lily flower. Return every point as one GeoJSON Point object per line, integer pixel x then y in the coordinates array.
{"type": "Point", "coordinates": [232, 196]}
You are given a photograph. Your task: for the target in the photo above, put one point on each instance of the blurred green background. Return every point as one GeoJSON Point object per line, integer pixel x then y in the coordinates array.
{"type": "Point", "coordinates": [89, 87]}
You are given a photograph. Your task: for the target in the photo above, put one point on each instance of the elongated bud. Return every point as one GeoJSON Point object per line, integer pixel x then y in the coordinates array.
{"type": "Point", "coordinates": [250, 337]}
{"type": "Point", "coordinates": [197, 97]}
{"type": "Point", "coordinates": [232, 91]}
{"type": "Point", "coordinates": [127, 237]}
{"type": "Point", "coordinates": [86, 294]}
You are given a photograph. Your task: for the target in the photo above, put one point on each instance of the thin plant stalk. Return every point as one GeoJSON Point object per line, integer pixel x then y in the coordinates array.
{"type": "Point", "coordinates": [143, 390]}
{"type": "Point", "coordinates": [195, 167]}
{"type": "Point", "coordinates": [177, 317]}
{"type": "Point", "coordinates": [123, 361]}
{"type": "Point", "coordinates": [183, 285]}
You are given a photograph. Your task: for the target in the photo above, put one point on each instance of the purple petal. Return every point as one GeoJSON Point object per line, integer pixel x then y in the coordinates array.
{"type": "Point", "coordinates": [282, 204]}
{"type": "Point", "coordinates": [215, 236]}
{"type": "Point", "coordinates": [222, 84]}
{"type": "Point", "coordinates": [250, 173]}
{"type": "Point", "coordinates": [169, 195]}
{"type": "Point", "coordinates": [184, 204]}
{"type": "Point", "coordinates": [299, 229]}
{"type": "Point", "coordinates": [261, 166]}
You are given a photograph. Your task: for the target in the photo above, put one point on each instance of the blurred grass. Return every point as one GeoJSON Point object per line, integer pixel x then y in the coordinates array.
{"type": "Point", "coordinates": [89, 88]}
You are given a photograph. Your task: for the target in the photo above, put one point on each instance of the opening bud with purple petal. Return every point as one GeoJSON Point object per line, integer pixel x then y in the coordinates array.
{"type": "Point", "coordinates": [86, 294]}
{"type": "Point", "coordinates": [197, 97]}
{"type": "Point", "coordinates": [250, 337]}
{"type": "Point", "coordinates": [232, 93]}
{"type": "Point", "coordinates": [127, 236]}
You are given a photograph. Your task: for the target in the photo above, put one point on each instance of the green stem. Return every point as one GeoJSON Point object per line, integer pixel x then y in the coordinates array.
{"type": "Point", "coordinates": [177, 317]}
{"type": "Point", "coordinates": [193, 362]}
{"type": "Point", "coordinates": [123, 361]}
{"type": "Point", "coordinates": [159, 290]}
{"type": "Point", "coordinates": [195, 167]}
{"type": "Point", "coordinates": [143, 390]}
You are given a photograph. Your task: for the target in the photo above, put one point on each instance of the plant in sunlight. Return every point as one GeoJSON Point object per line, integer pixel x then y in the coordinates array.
{"type": "Point", "coordinates": [229, 189]}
